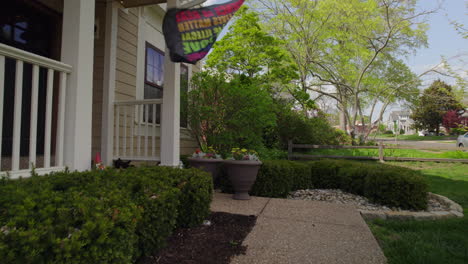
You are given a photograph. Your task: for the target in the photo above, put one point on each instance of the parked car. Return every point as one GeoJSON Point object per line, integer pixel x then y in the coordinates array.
{"type": "Point", "coordinates": [422, 133]}
{"type": "Point", "coordinates": [462, 140]}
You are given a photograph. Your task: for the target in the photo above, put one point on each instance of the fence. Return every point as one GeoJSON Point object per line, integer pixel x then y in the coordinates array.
{"type": "Point", "coordinates": [137, 130]}
{"type": "Point", "coordinates": [381, 147]}
{"type": "Point", "coordinates": [21, 72]}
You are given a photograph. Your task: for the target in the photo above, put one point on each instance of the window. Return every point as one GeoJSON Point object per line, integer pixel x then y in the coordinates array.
{"type": "Point", "coordinates": [154, 73]}
{"type": "Point", "coordinates": [154, 83]}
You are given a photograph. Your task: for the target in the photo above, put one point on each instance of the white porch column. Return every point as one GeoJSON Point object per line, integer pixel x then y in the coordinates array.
{"type": "Point", "coordinates": [110, 58]}
{"type": "Point", "coordinates": [170, 124]}
{"type": "Point", "coordinates": [78, 51]}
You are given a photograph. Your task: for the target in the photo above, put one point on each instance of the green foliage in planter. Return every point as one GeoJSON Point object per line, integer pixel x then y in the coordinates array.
{"type": "Point", "coordinates": [110, 216]}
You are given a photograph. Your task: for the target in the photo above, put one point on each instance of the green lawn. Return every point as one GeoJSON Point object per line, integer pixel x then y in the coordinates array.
{"type": "Point", "coordinates": [408, 153]}
{"type": "Point", "coordinates": [429, 242]}
{"type": "Point", "coordinates": [414, 137]}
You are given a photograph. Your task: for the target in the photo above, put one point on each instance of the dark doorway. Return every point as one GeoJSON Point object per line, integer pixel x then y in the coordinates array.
{"type": "Point", "coordinates": [33, 27]}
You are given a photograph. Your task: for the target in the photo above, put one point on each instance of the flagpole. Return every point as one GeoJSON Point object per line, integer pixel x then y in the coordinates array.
{"type": "Point", "coordinates": [170, 124]}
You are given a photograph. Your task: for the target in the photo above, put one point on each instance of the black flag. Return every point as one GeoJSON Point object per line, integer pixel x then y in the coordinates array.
{"type": "Point", "coordinates": [190, 33]}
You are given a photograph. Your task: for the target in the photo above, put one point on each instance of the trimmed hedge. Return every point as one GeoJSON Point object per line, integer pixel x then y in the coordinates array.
{"type": "Point", "coordinates": [111, 216]}
{"type": "Point", "coordinates": [278, 178]}
{"type": "Point", "coordinates": [384, 184]}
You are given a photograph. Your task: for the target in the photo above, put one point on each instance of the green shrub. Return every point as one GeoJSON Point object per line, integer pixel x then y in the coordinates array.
{"type": "Point", "coordinates": [196, 195]}
{"type": "Point", "coordinates": [41, 225]}
{"type": "Point", "coordinates": [230, 114]}
{"type": "Point", "coordinates": [388, 185]}
{"type": "Point", "coordinates": [388, 132]}
{"type": "Point", "coordinates": [295, 126]}
{"type": "Point", "coordinates": [395, 186]}
{"type": "Point", "coordinates": [110, 216]}
{"type": "Point", "coordinates": [278, 178]}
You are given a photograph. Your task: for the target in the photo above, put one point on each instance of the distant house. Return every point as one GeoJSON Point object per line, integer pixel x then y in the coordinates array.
{"type": "Point", "coordinates": [400, 120]}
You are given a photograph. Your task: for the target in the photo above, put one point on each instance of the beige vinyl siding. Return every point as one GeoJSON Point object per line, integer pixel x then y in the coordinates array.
{"type": "Point", "coordinates": [126, 76]}
{"type": "Point", "coordinates": [127, 42]}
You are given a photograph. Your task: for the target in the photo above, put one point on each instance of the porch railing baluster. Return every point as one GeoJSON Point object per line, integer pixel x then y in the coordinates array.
{"type": "Point", "coordinates": [2, 88]}
{"type": "Point", "coordinates": [153, 135]}
{"type": "Point", "coordinates": [48, 117]}
{"type": "Point", "coordinates": [33, 125]}
{"type": "Point", "coordinates": [143, 127]}
{"type": "Point", "coordinates": [132, 129]}
{"type": "Point", "coordinates": [15, 163]}
{"type": "Point", "coordinates": [117, 131]}
{"type": "Point", "coordinates": [124, 150]}
{"type": "Point", "coordinates": [146, 129]}
{"type": "Point", "coordinates": [139, 120]}
{"type": "Point", "coordinates": [61, 121]}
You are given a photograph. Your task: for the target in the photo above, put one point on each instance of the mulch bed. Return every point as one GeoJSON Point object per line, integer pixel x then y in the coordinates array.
{"type": "Point", "coordinates": [213, 244]}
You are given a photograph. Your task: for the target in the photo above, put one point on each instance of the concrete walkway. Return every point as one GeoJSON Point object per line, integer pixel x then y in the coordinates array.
{"type": "Point", "coordinates": [290, 231]}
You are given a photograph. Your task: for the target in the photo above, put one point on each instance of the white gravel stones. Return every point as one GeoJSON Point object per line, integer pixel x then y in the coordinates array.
{"type": "Point", "coordinates": [438, 206]}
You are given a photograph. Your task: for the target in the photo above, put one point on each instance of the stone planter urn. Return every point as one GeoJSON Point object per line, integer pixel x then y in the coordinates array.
{"type": "Point", "coordinates": [209, 165]}
{"type": "Point", "coordinates": [242, 174]}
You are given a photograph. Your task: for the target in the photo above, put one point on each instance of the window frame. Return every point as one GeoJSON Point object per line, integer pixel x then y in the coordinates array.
{"type": "Point", "coordinates": [146, 82]}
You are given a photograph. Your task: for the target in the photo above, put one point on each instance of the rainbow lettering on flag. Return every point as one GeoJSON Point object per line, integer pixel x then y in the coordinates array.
{"type": "Point", "coordinates": [190, 33]}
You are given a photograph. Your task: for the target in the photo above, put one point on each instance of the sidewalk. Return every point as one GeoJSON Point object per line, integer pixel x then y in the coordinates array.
{"type": "Point", "coordinates": [291, 231]}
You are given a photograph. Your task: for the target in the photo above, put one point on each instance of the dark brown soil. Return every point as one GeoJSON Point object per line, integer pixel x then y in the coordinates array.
{"type": "Point", "coordinates": [214, 244]}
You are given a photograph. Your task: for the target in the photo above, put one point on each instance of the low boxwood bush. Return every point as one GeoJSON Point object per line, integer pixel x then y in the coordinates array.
{"type": "Point", "coordinates": [111, 216]}
{"type": "Point", "coordinates": [384, 184]}
{"type": "Point", "coordinates": [278, 178]}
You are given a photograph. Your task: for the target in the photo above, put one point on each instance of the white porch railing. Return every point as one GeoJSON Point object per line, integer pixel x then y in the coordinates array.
{"type": "Point", "coordinates": [15, 160]}
{"type": "Point", "coordinates": [137, 130]}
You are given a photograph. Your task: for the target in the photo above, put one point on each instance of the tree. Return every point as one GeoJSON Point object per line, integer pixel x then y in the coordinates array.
{"type": "Point", "coordinates": [248, 49]}
{"type": "Point", "coordinates": [451, 120]}
{"type": "Point", "coordinates": [348, 50]}
{"type": "Point", "coordinates": [433, 104]}
{"type": "Point", "coordinates": [228, 114]}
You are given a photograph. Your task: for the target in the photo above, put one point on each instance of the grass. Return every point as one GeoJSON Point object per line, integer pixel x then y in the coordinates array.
{"type": "Point", "coordinates": [414, 137]}
{"type": "Point", "coordinates": [407, 153]}
{"type": "Point", "coordinates": [429, 242]}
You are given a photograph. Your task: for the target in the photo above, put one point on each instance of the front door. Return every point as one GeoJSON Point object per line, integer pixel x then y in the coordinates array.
{"type": "Point", "coordinates": [33, 27]}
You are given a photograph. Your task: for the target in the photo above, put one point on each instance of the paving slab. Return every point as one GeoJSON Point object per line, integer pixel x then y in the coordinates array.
{"type": "Point", "coordinates": [284, 241]}
{"type": "Point", "coordinates": [223, 202]}
{"type": "Point", "coordinates": [313, 211]}
{"type": "Point", "coordinates": [296, 231]}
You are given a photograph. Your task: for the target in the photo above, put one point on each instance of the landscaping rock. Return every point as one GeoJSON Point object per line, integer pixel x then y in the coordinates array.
{"type": "Point", "coordinates": [438, 206]}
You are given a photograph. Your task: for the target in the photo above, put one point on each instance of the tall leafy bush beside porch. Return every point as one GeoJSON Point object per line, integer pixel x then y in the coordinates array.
{"type": "Point", "coordinates": [229, 111]}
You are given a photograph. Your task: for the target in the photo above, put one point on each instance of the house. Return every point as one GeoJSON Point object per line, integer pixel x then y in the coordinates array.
{"type": "Point", "coordinates": [400, 120]}
{"type": "Point", "coordinates": [80, 77]}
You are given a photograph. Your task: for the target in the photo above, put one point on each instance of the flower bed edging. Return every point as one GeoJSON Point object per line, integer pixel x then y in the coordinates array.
{"type": "Point", "coordinates": [455, 211]}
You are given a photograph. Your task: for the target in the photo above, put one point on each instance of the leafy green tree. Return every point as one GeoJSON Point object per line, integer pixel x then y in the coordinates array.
{"type": "Point", "coordinates": [248, 49]}
{"type": "Point", "coordinates": [348, 50]}
{"type": "Point", "coordinates": [228, 114]}
{"type": "Point", "coordinates": [433, 104]}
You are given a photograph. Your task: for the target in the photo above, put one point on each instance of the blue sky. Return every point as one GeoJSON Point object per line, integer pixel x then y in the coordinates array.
{"type": "Point", "coordinates": [443, 40]}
